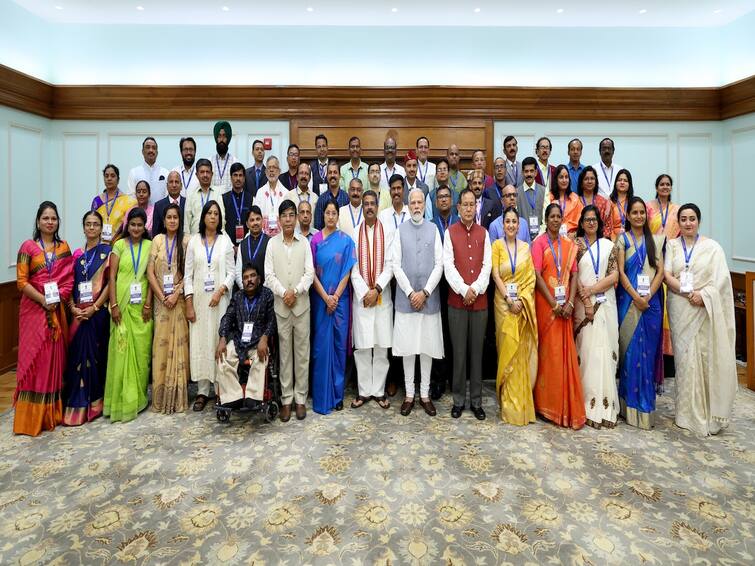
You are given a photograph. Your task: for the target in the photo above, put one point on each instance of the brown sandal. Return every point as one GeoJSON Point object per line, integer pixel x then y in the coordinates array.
{"type": "Point", "coordinates": [359, 401]}
{"type": "Point", "coordinates": [199, 403]}
{"type": "Point", "coordinates": [383, 402]}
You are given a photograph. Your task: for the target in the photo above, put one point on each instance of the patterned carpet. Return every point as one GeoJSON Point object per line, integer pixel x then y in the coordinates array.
{"type": "Point", "coordinates": [368, 486]}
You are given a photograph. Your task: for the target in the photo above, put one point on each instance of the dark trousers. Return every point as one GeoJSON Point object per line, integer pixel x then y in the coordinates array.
{"type": "Point", "coordinates": [467, 335]}
{"type": "Point", "coordinates": [441, 372]}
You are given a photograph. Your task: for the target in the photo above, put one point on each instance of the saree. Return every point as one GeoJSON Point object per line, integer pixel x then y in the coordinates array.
{"type": "Point", "coordinates": [114, 211]}
{"type": "Point", "coordinates": [84, 380]}
{"type": "Point", "coordinates": [130, 346]}
{"type": "Point", "coordinates": [170, 346]}
{"type": "Point", "coordinates": [571, 208]}
{"type": "Point", "coordinates": [640, 333]}
{"type": "Point", "coordinates": [333, 259]}
{"type": "Point", "coordinates": [558, 389]}
{"type": "Point", "coordinates": [516, 336]}
{"type": "Point", "coordinates": [597, 341]}
{"type": "Point", "coordinates": [664, 222]}
{"type": "Point", "coordinates": [42, 340]}
{"type": "Point", "coordinates": [704, 337]}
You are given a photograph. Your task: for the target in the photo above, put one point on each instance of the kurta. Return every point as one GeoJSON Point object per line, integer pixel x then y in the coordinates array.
{"type": "Point", "coordinates": [663, 221]}
{"type": "Point", "coordinates": [203, 333]}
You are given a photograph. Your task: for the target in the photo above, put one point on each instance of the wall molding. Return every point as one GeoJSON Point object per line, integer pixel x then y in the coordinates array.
{"type": "Point", "coordinates": [127, 102]}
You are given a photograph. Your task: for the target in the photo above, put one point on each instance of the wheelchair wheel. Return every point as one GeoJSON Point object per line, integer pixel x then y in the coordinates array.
{"type": "Point", "coordinates": [223, 416]}
{"type": "Point", "coordinates": [271, 412]}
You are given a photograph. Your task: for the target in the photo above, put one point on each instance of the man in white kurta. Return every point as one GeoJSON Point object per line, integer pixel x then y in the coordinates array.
{"type": "Point", "coordinates": [372, 308]}
{"type": "Point", "coordinates": [417, 258]}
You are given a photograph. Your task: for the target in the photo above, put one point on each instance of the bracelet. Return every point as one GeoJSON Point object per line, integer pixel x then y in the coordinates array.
{"type": "Point", "coordinates": [114, 305]}
{"type": "Point", "coordinates": [147, 306]}
{"type": "Point", "coordinates": [570, 304]}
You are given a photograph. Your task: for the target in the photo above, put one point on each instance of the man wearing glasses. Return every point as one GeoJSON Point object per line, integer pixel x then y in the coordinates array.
{"type": "Point", "coordinates": [508, 198]}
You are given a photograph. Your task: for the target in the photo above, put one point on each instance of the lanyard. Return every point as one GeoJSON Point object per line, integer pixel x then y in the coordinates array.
{"type": "Point", "coordinates": [603, 167]}
{"type": "Point", "coordinates": [395, 224]}
{"type": "Point", "coordinates": [641, 250]}
{"type": "Point", "coordinates": [556, 257]}
{"type": "Point", "coordinates": [359, 218]}
{"type": "Point", "coordinates": [478, 211]}
{"type": "Point", "coordinates": [441, 224]}
{"type": "Point", "coordinates": [238, 206]}
{"type": "Point", "coordinates": [256, 249]}
{"type": "Point", "coordinates": [208, 251]}
{"type": "Point", "coordinates": [355, 175]}
{"type": "Point", "coordinates": [532, 200]}
{"type": "Point", "coordinates": [688, 256]}
{"type": "Point", "coordinates": [562, 205]}
{"type": "Point", "coordinates": [454, 179]}
{"type": "Point", "coordinates": [135, 261]}
{"type": "Point", "coordinates": [386, 174]}
{"type": "Point", "coordinates": [323, 169]}
{"type": "Point", "coordinates": [183, 179]}
{"type": "Point", "coordinates": [595, 264]}
{"type": "Point", "coordinates": [221, 173]}
{"type": "Point", "coordinates": [52, 258]}
{"type": "Point", "coordinates": [169, 250]}
{"type": "Point", "coordinates": [272, 202]}
{"type": "Point", "coordinates": [257, 173]}
{"type": "Point", "coordinates": [250, 307]}
{"type": "Point", "coordinates": [584, 201]}
{"type": "Point", "coordinates": [497, 190]}
{"type": "Point", "coordinates": [542, 174]}
{"type": "Point", "coordinates": [421, 176]}
{"type": "Point", "coordinates": [309, 196]}
{"type": "Point", "coordinates": [664, 217]}
{"type": "Point", "coordinates": [512, 260]}
{"type": "Point", "coordinates": [89, 261]}
{"type": "Point", "coordinates": [109, 207]}
{"type": "Point", "coordinates": [201, 197]}
{"type": "Point", "coordinates": [622, 212]}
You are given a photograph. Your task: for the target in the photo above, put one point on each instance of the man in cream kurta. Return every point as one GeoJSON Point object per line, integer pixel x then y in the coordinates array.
{"type": "Point", "coordinates": [417, 258]}
{"type": "Point", "coordinates": [372, 309]}
{"type": "Point", "coordinates": [197, 199]}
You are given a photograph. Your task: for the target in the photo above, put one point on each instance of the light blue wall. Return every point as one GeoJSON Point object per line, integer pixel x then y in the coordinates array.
{"type": "Point", "coordinates": [358, 55]}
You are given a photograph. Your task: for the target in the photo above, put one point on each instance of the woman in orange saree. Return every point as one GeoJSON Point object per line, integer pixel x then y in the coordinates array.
{"type": "Point", "coordinates": [558, 390]}
{"type": "Point", "coordinates": [561, 194]}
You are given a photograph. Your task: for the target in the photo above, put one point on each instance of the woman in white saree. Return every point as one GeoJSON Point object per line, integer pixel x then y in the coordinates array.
{"type": "Point", "coordinates": [701, 316]}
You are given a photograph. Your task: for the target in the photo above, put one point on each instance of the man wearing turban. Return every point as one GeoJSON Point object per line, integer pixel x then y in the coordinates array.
{"type": "Point", "coordinates": [221, 167]}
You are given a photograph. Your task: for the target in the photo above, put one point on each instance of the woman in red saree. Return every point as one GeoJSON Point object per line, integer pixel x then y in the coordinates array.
{"type": "Point", "coordinates": [558, 389]}
{"type": "Point", "coordinates": [44, 275]}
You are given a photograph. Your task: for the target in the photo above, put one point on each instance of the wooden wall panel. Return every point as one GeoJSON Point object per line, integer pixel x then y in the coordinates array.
{"type": "Point", "coordinates": [737, 98]}
{"type": "Point", "coordinates": [9, 303]}
{"type": "Point", "coordinates": [26, 93]}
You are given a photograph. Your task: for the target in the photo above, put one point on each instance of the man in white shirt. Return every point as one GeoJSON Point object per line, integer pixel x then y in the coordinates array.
{"type": "Point", "coordinates": [389, 167]}
{"type": "Point", "coordinates": [606, 167]}
{"type": "Point", "coordinates": [270, 196]}
{"type": "Point", "coordinates": [355, 167]}
{"type": "Point", "coordinates": [189, 180]}
{"type": "Point", "coordinates": [513, 167]}
{"type": "Point", "coordinates": [302, 192]}
{"type": "Point", "coordinates": [350, 216]}
{"type": "Point", "coordinates": [398, 213]}
{"type": "Point", "coordinates": [425, 168]}
{"type": "Point", "coordinates": [196, 201]}
{"type": "Point", "coordinates": [149, 171]}
{"type": "Point", "coordinates": [221, 176]}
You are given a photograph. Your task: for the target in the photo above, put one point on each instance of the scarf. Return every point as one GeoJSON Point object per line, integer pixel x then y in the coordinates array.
{"type": "Point", "coordinates": [371, 270]}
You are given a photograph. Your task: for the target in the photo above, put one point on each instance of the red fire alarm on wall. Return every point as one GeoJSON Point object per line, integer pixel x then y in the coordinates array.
{"type": "Point", "coordinates": [267, 143]}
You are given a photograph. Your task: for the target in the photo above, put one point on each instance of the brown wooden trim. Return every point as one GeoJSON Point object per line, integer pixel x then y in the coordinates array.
{"type": "Point", "coordinates": [750, 332]}
{"type": "Point", "coordinates": [9, 304]}
{"type": "Point", "coordinates": [738, 99]}
{"type": "Point", "coordinates": [26, 93]}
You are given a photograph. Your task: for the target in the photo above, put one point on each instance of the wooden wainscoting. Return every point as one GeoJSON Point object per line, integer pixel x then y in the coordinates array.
{"type": "Point", "coordinates": [9, 303]}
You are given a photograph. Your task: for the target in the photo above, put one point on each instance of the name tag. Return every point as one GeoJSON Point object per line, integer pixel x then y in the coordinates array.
{"type": "Point", "coordinates": [239, 233]}
{"type": "Point", "coordinates": [534, 225]}
{"type": "Point", "coordinates": [323, 188]}
{"type": "Point", "coordinates": [85, 292]}
{"type": "Point", "coordinates": [512, 290]}
{"type": "Point", "coordinates": [562, 230]}
{"type": "Point", "coordinates": [209, 283]}
{"type": "Point", "coordinates": [687, 282]}
{"type": "Point", "coordinates": [168, 284]}
{"type": "Point", "coordinates": [643, 285]}
{"type": "Point", "coordinates": [136, 293]}
{"type": "Point", "coordinates": [52, 295]}
{"type": "Point", "coordinates": [560, 294]}
{"type": "Point", "coordinates": [600, 298]}
{"type": "Point", "coordinates": [272, 221]}
{"type": "Point", "coordinates": [107, 232]}
{"type": "Point", "coordinates": [246, 333]}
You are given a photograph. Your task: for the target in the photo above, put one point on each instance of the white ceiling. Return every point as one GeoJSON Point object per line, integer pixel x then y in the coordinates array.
{"type": "Point", "coordinates": [545, 13]}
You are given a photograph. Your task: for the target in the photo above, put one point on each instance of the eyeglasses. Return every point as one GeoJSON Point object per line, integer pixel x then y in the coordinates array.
{"type": "Point", "coordinates": [510, 195]}
{"type": "Point", "coordinates": [444, 196]}
{"type": "Point", "coordinates": [590, 220]}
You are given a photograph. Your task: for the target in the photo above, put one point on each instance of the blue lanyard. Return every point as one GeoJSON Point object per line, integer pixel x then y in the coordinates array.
{"type": "Point", "coordinates": [169, 250]}
{"type": "Point", "coordinates": [183, 179]}
{"type": "Point", "coordinates": [688, 256]}
{"type": "Point", "coordinates": [208, 251]}
{"type": "Point", "coordinates": [454, 180]}
{"type": "Point", "coordinates": [109, 207]}
{"type": "Point", "coordinates": [664, 217]}
{"type": "Point", "coordinates": [238, 206]}
{"type": "Point", "coordinates": [387, 178]}
{"type": "Point", "coordinates": [359, 218]}
{"type": "Point", "coordinates": [88, 261]}
{"type": "Point", "coordinates": [395, 224]}
{"type": "Point", "coordinates": [532, 200]}
{"type": "Point", "coordinates": [135, 261]}
{"type": "Point", "coordinates": [595, 264]}
{"type": "Point", "coordinates": [250, 308]}
{"type": "Point", "coordinates": [497, 190]}
{"type": "Point", "coordinates": [51, 261]}
{"type": "Point", "coordinates": [221, 173]}
{"type": "Point", "coordinates": [201, 196]}
{"type": "Point", "coordinates": [605, 175]}
{"type": "Point", "coordinates": [419, 168]}
{"type": "Point", "coordinates": [442, 225]}
{"type": "Point", "coordinates": [562, 205]}
{"type": "Point", "coordinates": [323, 169]}
{"type": "Point", "coordinates": [256, 249]}
{"type": "Point", "coordinates": [641, 250]}
{"type": "Point", "coordinates": [512, 261]}
{"type": "Point", "coordinates": [622, 212]}
{"type": "Point", "coordinates": [309, 196]}
{"type": "Point", "coordinates": [584, 202]}
{"type": "Point", "coordinates": [556, 257]}
{"type": "Point", "coordinates": [355, 175]}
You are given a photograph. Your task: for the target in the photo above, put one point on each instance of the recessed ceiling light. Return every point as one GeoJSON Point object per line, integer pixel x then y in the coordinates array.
{"type": "Point", "coordinates": [643, 11]}
{"type": "Point", "coordinates": [476, 10]}
{"type": "Point", "coordinates": [140, 8]}
{"type": "Point", "coordinates": [58, 7]}
{"type": "Point", "coordinates": [310, 9]}
{"type": "Point", "coordinates": [225, 8]}
{"type": "Point", "coordinates": [560, 11]}
{"type": "Point", "coordinates": [394, 10]}
{"type": "Point", "coordinates": [717, 11]}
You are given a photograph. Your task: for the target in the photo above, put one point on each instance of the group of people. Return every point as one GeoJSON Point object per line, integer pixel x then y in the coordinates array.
{"type": "Point", "coordinates": [561, 278]}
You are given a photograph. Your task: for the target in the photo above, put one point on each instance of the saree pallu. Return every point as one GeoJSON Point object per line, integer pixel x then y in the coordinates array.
{"type": "Point", "coordinates": [670, 231]}
{"type": "Point", "coordinates": [640, 336]}
{"type": "Point", "coordinates": [558, 390]}
{"type": "Point", "coordinates": [570, 216]}
{"type": "Point", "coordinates": [42, 340]}
{"type": "Point", "coordinates": [170, 347]}
{"type": "Point", "coordinates": [516, 336]}
{"type": "Point", "coordinates": [118, 212]}
{"type": "Point", "coordinates": [84, 380]}
{"type": "Point", "coordinates": [130, 347]}
{"type": "Point", "coordinates": [598, 340]}
{"type": "Point", "coordinates": [704, 338]}
{"type": "Point", "coordinates": [333, 259]}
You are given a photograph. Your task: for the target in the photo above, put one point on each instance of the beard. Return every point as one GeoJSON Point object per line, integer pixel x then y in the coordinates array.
{"type": "Point", "coordinates": [417, 216]}
{"type": "Point", "coordinates": [188, 161]}
{"type": "Point", "coordinates": [222, 148]}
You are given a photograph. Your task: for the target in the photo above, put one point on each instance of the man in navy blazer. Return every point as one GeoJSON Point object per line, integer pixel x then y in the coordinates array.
{"type": "Point", "coordinates": [255, 175]}
{"type": "Point", "coordinates": [319, 166]}
{"type": "Point", "coordinates": [174, 196]}
{"type": "Point", "coordinates": [487, 209]}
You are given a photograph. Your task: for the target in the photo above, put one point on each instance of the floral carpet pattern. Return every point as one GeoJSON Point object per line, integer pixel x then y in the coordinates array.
{"type": "Point", "coordinates": [369, 486]}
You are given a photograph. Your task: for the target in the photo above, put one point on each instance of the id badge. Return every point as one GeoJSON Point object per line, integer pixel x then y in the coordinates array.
{"type": "Point", "coordinates": [52, 294]}
{"type": "Point", "coordinates": [209, 283]}
{"type": "Point", "coordinates": [246, 333]}
{"type": "Point", "coordinates": [239, 233]}
{"type": "Point", "coordinates": [560, 294]}
{"type": "Point", "coordinates": [272, 222]}
{"type": "Point", "coordinates": [512, 290]}
{"type": "Point", "coordinates": [168, 284]}
{"type": "Point", "coordinates": [107, 232]}
{"type": "Point", "coordinates": [85, 292]}
{"type": "Point", "coordinates": [600, 298]}
{"type": "Point", "coordinates": [136, 293]}
{"type": "Point", "coordinates": [686, 282]}
{"type": "Point", "coordinates": [323, 188]}
{"type": "Point", "coordinates": [562, 231]}
{"type": "Point", "coordinates": [643, 285]}
{"type": "Point", "coordinates": [534, 226]}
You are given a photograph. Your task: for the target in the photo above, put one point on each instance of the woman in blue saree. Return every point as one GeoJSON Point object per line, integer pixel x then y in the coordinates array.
{"type": "Point", "coordinates": [640, 306]}
{"type": "Point", "coordinates": [84, 378]}
{"type": "Point", "coordinates": [334, 255]}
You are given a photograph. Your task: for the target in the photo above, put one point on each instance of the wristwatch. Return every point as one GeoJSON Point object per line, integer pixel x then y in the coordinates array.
{"type": "Point", "coordinates": [379, 289]}
{"type": "Point", "coordinates": [427, 295]}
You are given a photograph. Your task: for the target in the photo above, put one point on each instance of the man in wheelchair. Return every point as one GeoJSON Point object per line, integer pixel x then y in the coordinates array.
{"type": "Point", "coordinates": [246, 330]}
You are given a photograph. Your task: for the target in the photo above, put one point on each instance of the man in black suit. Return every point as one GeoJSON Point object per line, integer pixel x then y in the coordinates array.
{"type": "Point", "coordinates": [290, 178]}
{"type": "Point", "coordinates": [255, 175]}
{"type": "Point", "coordinates": [320, 166]}
{"type": "Point", "coordinates": [237, 203]}
{"type": "Point", "coordinates": [174, 196]}
{"type": "Point", "coordinates": [487, 209]}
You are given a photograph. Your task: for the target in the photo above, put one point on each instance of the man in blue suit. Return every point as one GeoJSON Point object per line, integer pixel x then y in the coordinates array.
{"type": "Point", "coordinates": [174, 196]}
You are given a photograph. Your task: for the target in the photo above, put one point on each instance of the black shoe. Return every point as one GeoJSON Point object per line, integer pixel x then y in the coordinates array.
{"type": "Point", "coordinates": [456, 411]}
{"type": "Point", "coordinates": [436, 391]}
{"type": "Point", "coordinates": [251, 403]}
{"type": "Point", "coordinates": [339, 406]}
{"type": "Point", "coordinates": [479, 413]}
{"type": "Point", "coordinates": [237, 404]}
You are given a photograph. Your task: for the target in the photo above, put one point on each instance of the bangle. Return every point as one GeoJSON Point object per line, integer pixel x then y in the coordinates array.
{"type": "Point", "coordinates": [570, 304]}
{"type": "Point", "coordinates": [147, 306]}
{"type": "Point", "coordinates": [114, 305]}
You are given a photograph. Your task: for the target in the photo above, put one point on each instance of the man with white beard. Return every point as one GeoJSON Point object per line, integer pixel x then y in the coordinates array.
{"type": "Point", "coordinates": [417, 257]}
